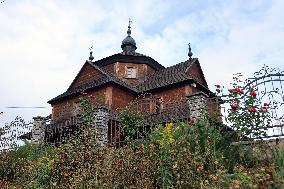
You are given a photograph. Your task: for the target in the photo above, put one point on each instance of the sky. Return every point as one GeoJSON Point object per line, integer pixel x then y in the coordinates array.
{"type": "Point", "coordinates": [43, 44]}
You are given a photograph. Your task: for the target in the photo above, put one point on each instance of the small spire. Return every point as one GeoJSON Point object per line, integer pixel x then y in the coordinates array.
{"type": "Point", "coordinates": [189, 52]}
{"type": "Point", "coordinates": [129, 31]}
{"type": "Point", "coordinates": [128, 44]}
{"type": "Point", "coordinates": [91, 58]}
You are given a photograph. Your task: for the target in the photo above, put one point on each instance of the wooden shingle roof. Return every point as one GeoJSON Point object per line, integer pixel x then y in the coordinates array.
{"type": "Point", "coordinates": [135, 58]}
{"type": "Point", "coordinates": [168, 76]}
{"type": "Point", "coordinates": [104, 80]}
{"type": "Point", "coordinates": [164, 77]}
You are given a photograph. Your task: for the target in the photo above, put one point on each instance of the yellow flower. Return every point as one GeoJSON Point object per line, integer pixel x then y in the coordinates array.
{"type": "Point", "coordinates": [167, 133]}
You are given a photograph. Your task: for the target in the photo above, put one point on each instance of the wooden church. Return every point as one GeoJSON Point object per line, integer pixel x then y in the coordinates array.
{"type": "Point", "coordinates": [121, 78]}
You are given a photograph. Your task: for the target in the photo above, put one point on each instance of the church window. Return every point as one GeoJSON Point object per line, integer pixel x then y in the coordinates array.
{"type": "Point", "coordinates": [131, 72]}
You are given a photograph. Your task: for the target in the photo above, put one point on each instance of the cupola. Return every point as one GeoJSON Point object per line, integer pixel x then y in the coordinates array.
{"type": "Point", "coordinates": [128, 44]}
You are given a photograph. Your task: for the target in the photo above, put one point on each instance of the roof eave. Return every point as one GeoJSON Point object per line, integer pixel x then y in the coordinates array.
{"type": "Point", "coordinates": [129, 59]}
{"type": "Point", "coordinates": [187, 81]}
{"type": "Point", "coordinates": [77, 93]}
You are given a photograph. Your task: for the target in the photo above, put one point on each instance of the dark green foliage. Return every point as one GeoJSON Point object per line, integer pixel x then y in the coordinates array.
{"type": "Point", "coordinates": [279, 162]}
{"type": "Point", "coordinates": [130, 120]}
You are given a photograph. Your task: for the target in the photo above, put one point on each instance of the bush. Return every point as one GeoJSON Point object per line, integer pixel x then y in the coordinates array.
{"type": "Point", "coordinates": [279, 162]}
{"type": "Point", "coordinates": [29, 165]}
{"type": "Point", "coordinates": [131, 121]}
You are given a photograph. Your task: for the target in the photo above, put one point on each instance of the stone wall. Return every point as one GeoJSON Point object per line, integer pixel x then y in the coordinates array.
{"type": "Point", "coordinates": [100, 124]}
{"type": "Point", "coordinates": [99, 127]}
{"type": "Point", "coordinates": [198, 104]}
{"type": "Point", "coordinates": [38, 130]}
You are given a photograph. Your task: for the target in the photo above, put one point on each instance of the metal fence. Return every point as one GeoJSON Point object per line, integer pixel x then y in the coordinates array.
{"type": "Point", "coordinates": [149, 107]}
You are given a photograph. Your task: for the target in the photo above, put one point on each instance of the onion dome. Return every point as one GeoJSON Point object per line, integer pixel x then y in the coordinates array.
{"type": "Point", "coordinates": [128, 44]}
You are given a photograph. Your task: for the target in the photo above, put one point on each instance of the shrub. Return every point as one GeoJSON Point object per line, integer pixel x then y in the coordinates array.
{"type": "Point", "coordinates": [131, 121]}
{"type": "Point", "coordinates": [278, 154]}
{"type": "Point", "coordinates": [248, 115]}
{"type": "Point", "coordinates": [29, 165]}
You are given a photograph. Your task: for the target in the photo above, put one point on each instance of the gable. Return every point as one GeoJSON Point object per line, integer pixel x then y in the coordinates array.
{"type": "Point", "coordinates": [196, 73]}
{"type": "Point", "coordinates": [87, 74]}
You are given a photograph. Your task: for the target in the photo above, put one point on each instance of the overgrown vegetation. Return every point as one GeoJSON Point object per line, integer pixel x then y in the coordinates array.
{"type": "Point", "coordinates": [175, 155]}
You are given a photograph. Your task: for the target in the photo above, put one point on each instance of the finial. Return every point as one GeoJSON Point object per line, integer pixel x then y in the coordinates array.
{"type": "Point", "coordinates": [129, 23]}
{"type": "Point", "coordinates": [189, 51]}
{"type": "Point", "coordinates": [128, 44]}
{"type": "Point", "coordinates": [91, 54]}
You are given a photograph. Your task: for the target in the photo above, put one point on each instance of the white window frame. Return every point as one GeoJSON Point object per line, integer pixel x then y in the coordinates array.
{"type": "Point", "coordinates": [131, 73]}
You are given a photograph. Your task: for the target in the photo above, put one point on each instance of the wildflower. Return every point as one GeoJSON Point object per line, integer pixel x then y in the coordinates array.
{"type": "Point", "coordinates": [218, 86]}
{"type": "Point", "coordinates": [142, 147]}
{"type": "Point", "coordinates": [252, 93]}
{"type": "Point", "coordinates": [235, 106]}
{"type": "Point", "coordinates": [86, 132]}
{"type": "Point", "coordinates": [266, 104]}
{"type": "Point", "coordinates": [252, 109]}
{"type": "Point", "coordinates": [236, 90]}
{"type": "Point", "coordinates": [190, 122]}
{"type": "Point", "coordinates": [91, 96]}
{"type": "Point", "coordinates": [213, 177]}
{"type": "Point", "coordinates": [271, 168]}
{"type": "Point", "coordinates": [239, 90]}
{"type": "Point", "coordinates": [171, 139]}
{"type": "Point", "coordinates": [169, 126]}
{"type": "Point", "coordinates": [167, 133]}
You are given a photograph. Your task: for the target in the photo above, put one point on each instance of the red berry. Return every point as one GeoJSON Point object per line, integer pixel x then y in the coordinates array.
{"type": "Point", "coordinates": [190, 122]}
{"type": "Point", "coordinates": [266, 104]}
{"type": "Point", "coordinates": [252, 109]}
{"type": "Point", "coordinates": [263, 110]}
{"type": "Point", "coordinates": [252, 93]}
{"type": "Point", "coordinates": [239, 91]}
{"type": "Point", "coordinates": [234, 106]}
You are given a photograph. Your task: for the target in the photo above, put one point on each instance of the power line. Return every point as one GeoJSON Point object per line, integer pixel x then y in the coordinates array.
{"type": "Point", "coordinates": [30, 107]}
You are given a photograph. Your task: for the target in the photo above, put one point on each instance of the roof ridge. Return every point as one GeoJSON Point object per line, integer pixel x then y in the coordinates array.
{"type": "Point", "coordinates": [112, 77]}
{"type": "Point", "coordinates": [167, 76]}
{"type": "Point", "coordinates": [139, 58]}
{"type": "Point", "coordinates": [181, 63]}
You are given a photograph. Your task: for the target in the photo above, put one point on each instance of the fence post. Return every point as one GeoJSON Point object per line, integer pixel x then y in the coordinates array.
{"type": "Point", "coordinates": [38, 130]}
{"type": "Point", "coordinates": [101, 118]}
{"type": "Point", "coordinates": [198, 104]}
